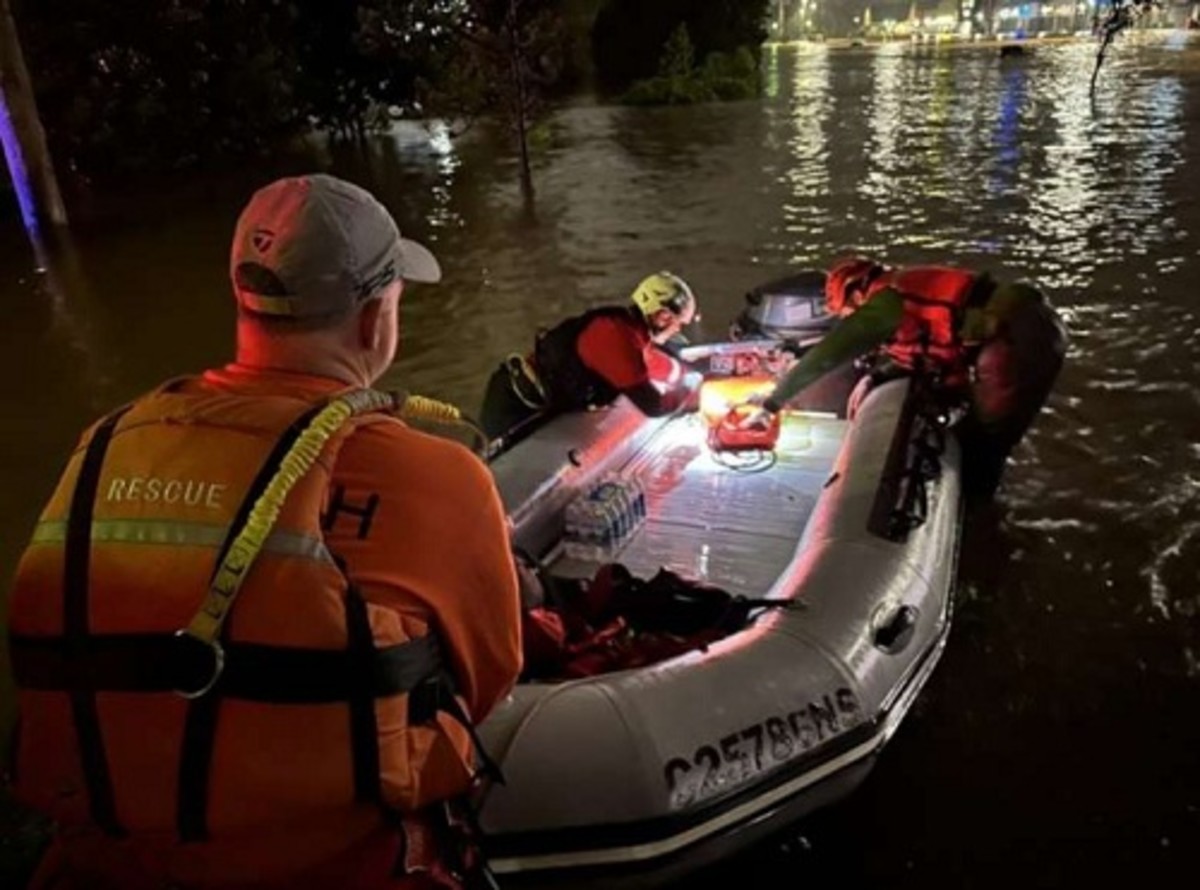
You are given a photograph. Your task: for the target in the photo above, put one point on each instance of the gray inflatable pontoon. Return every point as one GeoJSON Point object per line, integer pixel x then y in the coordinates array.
{"type": "Point", "coordinates": [635, 778]}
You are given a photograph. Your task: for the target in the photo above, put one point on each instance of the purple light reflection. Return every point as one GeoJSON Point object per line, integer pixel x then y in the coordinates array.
{"type": "Point", "coordinates": [18, 171]}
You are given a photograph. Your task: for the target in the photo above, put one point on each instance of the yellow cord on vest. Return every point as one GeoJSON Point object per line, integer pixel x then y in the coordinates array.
{"type": "Point", "coordinates": [422, 408]}
{"type": "Point", "coordinates": [414, 407]}
{"type": "Point", "coordinates": [207, 623]}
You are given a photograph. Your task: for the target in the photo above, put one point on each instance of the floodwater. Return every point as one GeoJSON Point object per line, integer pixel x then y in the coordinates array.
{"type": "Point", "coordinates": [1058, 743]}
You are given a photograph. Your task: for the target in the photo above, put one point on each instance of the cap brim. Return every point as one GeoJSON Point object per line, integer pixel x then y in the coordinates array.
{"type": "Point", "coordinates": [418, 263]}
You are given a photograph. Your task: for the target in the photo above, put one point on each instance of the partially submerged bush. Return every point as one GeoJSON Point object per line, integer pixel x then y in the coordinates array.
{"type": "Point", "coordinates": [670, 91]}
{"type": "Point", "coordinates": [723, 76]}
{"type": "Point", "coordinates": [732, 75]}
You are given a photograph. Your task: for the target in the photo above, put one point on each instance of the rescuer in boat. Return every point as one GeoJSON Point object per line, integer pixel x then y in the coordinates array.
{"type": "Point", "coordinates": [260, 614]}
{"type": "Point", "coordinates": [999, 346]}
{"type": "Point", "coordinates": [588, 360]}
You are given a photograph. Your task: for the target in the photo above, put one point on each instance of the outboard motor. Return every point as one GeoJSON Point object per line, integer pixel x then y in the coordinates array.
{"type": "Point", "coordinates": [791, 308]}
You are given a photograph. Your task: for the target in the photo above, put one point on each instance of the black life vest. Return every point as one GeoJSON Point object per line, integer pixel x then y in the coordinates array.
{"type": "Point", "coordinates": [571, 385]}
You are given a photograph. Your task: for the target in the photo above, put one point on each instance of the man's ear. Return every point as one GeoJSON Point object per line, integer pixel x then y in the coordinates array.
{"type": "Point", "coordinates": [661, 320]}
{"type": "Point", "coordinates": [370, 324]}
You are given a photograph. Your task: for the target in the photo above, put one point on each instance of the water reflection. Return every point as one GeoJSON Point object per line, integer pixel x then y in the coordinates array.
{"type": "Point", "coordinates": [803, 167]}
{"type": "Point", "coordinates": [443, 213]}
{"type": "Point", "coordinates": [1127, 145]}
{"type": "Point", "coordinates": [1006, 139]}
{"type": "Point", "coordinates": [887, 108]}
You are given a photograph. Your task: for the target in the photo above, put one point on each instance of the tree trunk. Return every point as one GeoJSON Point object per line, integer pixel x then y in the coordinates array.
{"type": "Point", "coordinates": [522, 125]}
{"type": "Point", "coordinates": [516, 60]}
{"type": "Point", "coordinates": [1099, 61]}
{"type": "Point", "coordinates": [24, 139]}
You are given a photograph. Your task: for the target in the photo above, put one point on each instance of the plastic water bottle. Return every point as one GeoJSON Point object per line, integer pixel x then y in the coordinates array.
{"type": "Point", "coordinates": [589, 535]}
{"type": "Point", "coordinates": [627, 486]}
{"type": "Point", "coordinates": [616, 491]}
{"type": "Point", "coordinates": [607, 496]}
{"type": "Point", "coordinates": [638, 496]}
{"type": "Point", "coordinates": [628, 510]}
{"type": "Point", "coordinates": [572, 533]}
{"type": "Point", "coordinates": [603, 530]}
{"type": "Point", "coordinates": [571, 522]}
{"type": "Point", "coordinates": [600, 522]}
{"type": "Point", "coordinates": [583, 532]}
{"type": "Point", "coordinates": [610, 500]}
{"type": "Point", "coordinates": [629, 492]}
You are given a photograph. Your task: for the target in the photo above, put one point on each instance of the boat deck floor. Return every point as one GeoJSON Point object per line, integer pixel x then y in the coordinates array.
{"type": "Point", "coordinates": [729, 520]}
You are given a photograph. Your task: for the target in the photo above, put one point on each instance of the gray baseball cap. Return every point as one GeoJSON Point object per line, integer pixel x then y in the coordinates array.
{"type": "Point", "coordinates": [317, 245]}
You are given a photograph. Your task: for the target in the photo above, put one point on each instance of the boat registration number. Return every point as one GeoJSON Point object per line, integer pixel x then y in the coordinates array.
{"type": "Point", "coordinates": [724, 763]}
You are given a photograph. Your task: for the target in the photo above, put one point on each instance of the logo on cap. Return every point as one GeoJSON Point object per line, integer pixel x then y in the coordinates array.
{"type": "Point", "coordinates": [378, 281]}
{"type": "Point", "coordinates": [262, 239]}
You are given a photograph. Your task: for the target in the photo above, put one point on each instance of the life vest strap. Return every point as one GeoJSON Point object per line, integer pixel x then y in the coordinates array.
{"type": "Point", "coordinates": [364, 725]}
{"type": "Point", "coordinates": [77, 552]}
{"type": "Point", "coordinates": [292, 456]}
{"type": "Point", "coordinates": [437, 694]}
{"type": "Point", "coordinates": [209, 627]}
{"type": "Point", "coordinates": [283, 675]}
{"type": "Point", "coordinates": [295, 455]}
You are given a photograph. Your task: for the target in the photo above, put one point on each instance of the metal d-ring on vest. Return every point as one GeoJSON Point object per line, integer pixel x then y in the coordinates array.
{"type": "Point", "coordinates": [205, 626]}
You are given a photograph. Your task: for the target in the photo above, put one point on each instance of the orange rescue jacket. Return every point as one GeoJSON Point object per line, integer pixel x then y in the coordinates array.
{"type": "Point", "coordinates": [325, 710]}
{"type": "Point", "coordinates": [935, 298]}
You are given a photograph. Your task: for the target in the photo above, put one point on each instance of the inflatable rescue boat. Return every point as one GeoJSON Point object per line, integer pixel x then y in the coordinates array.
{"type": "Point", "coordinates": [846, 517]}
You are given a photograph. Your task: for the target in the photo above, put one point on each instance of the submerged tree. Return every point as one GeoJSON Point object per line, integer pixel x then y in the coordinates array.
{"type": "Point", "coordinates": [519, 39]}
{"type": "Point", "coordinates": [1121, 14]}
{"type": "Point", "coordinates": [508, 55]}
{"type": "Point", "coordinates": [680, 81]}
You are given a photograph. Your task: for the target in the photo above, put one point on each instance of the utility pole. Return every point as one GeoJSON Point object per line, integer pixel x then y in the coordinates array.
{"type": "Point", "coordinates": [24, 139]}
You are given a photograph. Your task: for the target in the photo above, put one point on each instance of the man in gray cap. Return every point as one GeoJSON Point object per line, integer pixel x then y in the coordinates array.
{"type": "Point", "coordinates": [305, 735]}
{"type": "Point", "coordinates": [318, 264]}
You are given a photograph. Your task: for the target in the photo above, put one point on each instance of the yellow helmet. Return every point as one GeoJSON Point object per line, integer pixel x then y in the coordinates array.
{"type": "Point", "coordinates": [664, 290]}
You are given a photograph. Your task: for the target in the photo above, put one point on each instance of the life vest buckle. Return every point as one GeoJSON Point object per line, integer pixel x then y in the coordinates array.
{"type": "Point", "coordinates": [206, 678]}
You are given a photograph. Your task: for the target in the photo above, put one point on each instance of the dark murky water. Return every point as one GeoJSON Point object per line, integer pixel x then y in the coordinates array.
{"type": "Point", "coordinates": [1058, 744]}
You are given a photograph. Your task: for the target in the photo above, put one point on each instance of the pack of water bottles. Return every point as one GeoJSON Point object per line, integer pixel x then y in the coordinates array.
{"type": "Point", "coordinates": [600, 522]}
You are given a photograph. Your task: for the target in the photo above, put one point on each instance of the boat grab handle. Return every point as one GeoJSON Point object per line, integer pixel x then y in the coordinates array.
{"type": "Point", "coordinates": [896, 633]}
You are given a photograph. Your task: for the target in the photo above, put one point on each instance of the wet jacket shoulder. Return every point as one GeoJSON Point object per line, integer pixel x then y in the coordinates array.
{"type": "Point", "coordinates": [421, 528]}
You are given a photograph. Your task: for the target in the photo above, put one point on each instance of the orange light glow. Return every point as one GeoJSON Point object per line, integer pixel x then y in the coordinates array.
{"type": "Point", "coordinates": [718, 396]}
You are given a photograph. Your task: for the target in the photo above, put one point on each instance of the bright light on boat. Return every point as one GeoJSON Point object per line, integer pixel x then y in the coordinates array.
{"type": "Point", "coordinates": [718, 396]}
